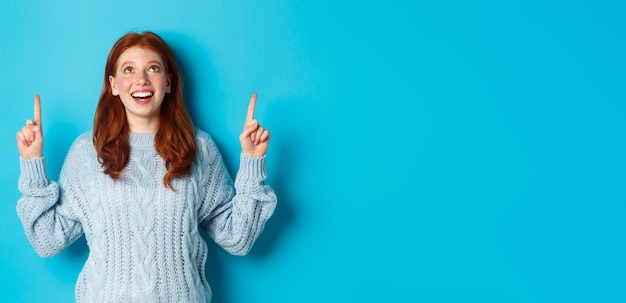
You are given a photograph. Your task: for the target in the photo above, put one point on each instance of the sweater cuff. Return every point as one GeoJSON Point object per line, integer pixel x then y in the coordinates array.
{"type": "Point", "coordinates": [33, 172]}
{"type": "Point", "coordinates": [252, 168]}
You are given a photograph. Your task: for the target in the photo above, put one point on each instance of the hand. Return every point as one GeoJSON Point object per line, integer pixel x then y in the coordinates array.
{"type": "Point", "coordinates": [254, 138]}
{"type": "Point", "coordinates": [30, 137]}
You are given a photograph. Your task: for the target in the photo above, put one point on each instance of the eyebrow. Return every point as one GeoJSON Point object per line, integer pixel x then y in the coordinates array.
{"type": "Point", "coordinates": [149, 62]}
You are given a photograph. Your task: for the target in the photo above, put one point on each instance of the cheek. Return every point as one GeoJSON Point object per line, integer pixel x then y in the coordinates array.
{"type": "Point", "coordinates": [123, 84]}
{"type": "Point", "coordinates": [159, 81]}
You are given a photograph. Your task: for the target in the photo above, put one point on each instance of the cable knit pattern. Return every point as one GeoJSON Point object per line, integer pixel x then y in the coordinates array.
{"type": "Point", "coordinates": [143, 238]}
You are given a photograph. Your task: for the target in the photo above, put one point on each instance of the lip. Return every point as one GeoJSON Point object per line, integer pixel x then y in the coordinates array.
{"type": "Point", "coordinates": [142, 100]}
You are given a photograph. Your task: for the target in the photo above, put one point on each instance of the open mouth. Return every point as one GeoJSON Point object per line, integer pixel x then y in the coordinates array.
{"type": "Point", "coordinates": [142, 95]}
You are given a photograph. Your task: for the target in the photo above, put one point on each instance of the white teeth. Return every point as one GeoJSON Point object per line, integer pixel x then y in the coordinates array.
{"type": "Point", "coordinates": [142, 94]}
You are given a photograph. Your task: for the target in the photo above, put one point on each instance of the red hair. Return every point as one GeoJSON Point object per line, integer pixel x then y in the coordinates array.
{"type": "Point", "coordinates": [174, 140]}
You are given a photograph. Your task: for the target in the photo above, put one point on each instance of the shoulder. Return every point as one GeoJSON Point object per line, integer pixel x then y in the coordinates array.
{"type": "Point", "coordinates": [83, 154]}
{"type": "Point", "coordinates": [203, 139]}
{"type": "Point", "coordinates": [86, 137]}
{"type": "Point", "coordinates": [205, 145]}
{"type": "Point", "coordinates": [83, 144]}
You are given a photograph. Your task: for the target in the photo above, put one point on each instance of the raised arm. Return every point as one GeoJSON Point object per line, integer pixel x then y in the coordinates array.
{"type": "Point", "coordinates": [235, 214]}
{"type": "Point", "coordinates": [47, 229]}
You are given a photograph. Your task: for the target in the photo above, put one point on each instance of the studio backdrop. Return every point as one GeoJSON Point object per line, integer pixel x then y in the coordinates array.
{"type": "Point", "coordinates": [421, 151]}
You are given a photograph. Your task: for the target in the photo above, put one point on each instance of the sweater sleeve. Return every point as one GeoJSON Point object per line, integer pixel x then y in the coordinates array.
{"type": "Point", "coordinates": [45, 218]}
{"type": "Point", "coordinates": [236, 215]}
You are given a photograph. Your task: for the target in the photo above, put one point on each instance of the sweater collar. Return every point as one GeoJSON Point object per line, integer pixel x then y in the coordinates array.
{"type": "Point", "coordinates": [142, 139]}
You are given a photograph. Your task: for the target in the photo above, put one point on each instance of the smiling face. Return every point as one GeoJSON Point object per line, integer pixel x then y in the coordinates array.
{"type": "Point", "coordinates": [141, 82]}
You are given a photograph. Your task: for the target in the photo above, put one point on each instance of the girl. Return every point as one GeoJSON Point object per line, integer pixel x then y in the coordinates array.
{"type": "Point", "coordinates": [141, 183]}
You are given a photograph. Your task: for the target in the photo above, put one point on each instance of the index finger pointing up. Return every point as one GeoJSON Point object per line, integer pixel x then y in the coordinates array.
{"type": "Point", "coordinates": [37, 110]}
{"type": "Point", "coordinates": [251, 106]}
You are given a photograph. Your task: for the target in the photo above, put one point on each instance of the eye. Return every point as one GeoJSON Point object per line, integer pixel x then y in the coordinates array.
{"type": "Point", "coordinates": [128, 70]}
{"type": "Point", "coordinates": [155, 68]}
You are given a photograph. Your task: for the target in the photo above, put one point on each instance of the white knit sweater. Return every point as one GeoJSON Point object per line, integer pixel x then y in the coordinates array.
{"type": "Point", "coordinates": [144, 243]}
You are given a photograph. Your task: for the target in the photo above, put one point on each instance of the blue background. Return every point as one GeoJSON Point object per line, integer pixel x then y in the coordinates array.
{"type": "Point", "coordinates": [422, 151]}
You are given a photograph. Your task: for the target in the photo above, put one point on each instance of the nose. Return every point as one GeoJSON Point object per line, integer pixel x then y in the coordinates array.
{"type": "Point", "coordinates": [142, 78]}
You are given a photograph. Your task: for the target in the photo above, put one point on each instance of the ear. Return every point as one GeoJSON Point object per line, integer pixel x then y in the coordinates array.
{"type": "Point", "coordinates": [168, 87]}
{"type": "Point", "coordinates": [113, 82]}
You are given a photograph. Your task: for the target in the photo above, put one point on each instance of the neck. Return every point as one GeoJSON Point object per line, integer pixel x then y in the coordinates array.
{"type": "Point", "coordinates": [141, 126]}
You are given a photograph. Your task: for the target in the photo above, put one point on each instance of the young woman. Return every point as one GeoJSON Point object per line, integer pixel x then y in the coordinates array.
{"type": "Point", "coordinates": [140, 185]}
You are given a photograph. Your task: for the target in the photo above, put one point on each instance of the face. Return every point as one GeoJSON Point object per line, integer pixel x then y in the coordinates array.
{"type": "Point", "coordinates": [141, 82]}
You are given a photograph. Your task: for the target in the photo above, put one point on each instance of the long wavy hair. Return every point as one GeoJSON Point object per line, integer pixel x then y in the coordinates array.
{"type": "Point", "coordinates": [174, 140]}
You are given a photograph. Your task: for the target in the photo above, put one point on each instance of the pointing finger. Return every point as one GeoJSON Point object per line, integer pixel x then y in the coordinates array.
{"type": "Point", "coordinates": [37, 110]}
{"type": "Point", "coordinates": [251, 107]}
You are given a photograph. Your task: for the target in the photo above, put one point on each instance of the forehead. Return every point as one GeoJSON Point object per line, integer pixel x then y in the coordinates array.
{"type": "Point", "coordinates": [137, 54]}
